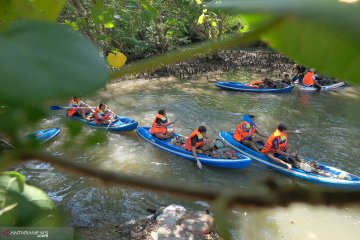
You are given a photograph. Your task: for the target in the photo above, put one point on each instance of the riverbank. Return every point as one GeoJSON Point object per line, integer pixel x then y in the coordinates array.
{"type": "Point", "coordinates": [261, 60]}
{"type": "Point", "coordinates": [172, 222]}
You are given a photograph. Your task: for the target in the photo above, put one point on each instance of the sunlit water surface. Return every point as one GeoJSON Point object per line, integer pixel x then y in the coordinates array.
{"type": "Point", "coordinates": [331, 132]}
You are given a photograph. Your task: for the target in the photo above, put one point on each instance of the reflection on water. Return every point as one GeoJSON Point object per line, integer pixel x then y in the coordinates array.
{"type": "Point", "coordinates": [329, 122]}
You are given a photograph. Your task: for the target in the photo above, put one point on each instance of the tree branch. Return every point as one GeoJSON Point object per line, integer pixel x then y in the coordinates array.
{"type": "Point", "coordinates": [270, 196]}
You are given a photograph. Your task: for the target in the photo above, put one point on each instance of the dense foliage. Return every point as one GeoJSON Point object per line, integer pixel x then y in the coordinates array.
{"type": "Point", "coordinates": [143, 28]}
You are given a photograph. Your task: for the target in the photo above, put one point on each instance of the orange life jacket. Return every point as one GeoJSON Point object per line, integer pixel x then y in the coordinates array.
{"type": "Point", "coordinates": [308, 79]}
{"type": "Point", "coordinates": [239, 134]}
{"type": "Point", "coordinates": [74, 104]}
{"type": "Point", "coordinates": [157, 128]}
{"type": "Point", "coordinates": [255, 84]}
{"type": "Point", "coordinates": [198, 143]}
{"type": "Point", "coordinates": [282, 141]}
{"type": "Point", "coordinates": [104, 116]}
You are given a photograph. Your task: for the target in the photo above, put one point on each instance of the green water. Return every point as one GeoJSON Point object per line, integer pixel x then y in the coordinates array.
{"type": "Point", "coordinates": [329, 122]}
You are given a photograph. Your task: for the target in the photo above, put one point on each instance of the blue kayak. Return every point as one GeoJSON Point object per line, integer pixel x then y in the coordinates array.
{"type": "Point", "coordinates": [120, 124]}
{"type": "Point", "coordinates": [339, 178]}
{"type": "Point", "coordinates": [324, 88]}
{"type": "Point", "coordinates": [45, 135]}
{"type": "Point", "coordinates": [245, 87]}
{"type": "Point", "coordinates": [242, 161]}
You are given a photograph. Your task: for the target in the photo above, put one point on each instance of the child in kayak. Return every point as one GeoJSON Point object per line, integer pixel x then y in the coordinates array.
{"type": "Point", "coordinates": [103, 115]}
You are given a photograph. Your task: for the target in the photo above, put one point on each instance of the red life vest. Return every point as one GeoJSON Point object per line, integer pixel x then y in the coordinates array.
{"type": "Point", "coordinates": [157, 128]}
{"type": "Point", "coordinates": [198, 143]}
{"type": "Point", "coordinates": [282, 141]}
{"type": "Point", "coordinates": [104, 116]}
{"type": "Point", "coordinates": [74, 104]}
{"type": "Point", "coordinates": [240, 134]}
{"type": "Point", "coordinates": [308, 79]}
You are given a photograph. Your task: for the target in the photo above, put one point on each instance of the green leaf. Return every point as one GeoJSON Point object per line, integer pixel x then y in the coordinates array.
{"type": "Point", "coordinates": [131, 41]}
{"type": "Point", "coordinates": [12, 181]}
{"type": "Point", "coordinates": [152, 10]}
{"type": "Point", "coordinates": [38, 9]}
{"type": "Point", "coordinates": [322, 34]}
{"type": "Point", "coordinates": [146, 16]}
{"type": "Point", "coordinates": [73, 25]}
{"type": "Point", "coordinates": [101, 14]}
{"type": "Point", "coordinates": [109, 21]}
{"type": "Point", "coordinates": [101, 37]}
{"type": "Point", "coordinates": [7, 13]}
{"type": "Point", "coordinates": [22, 204]}
{"type": "Point", "coordinates": [201, 19]}
{"type": "Point", "coordinates": [41, 60]}
{"type": "Point", "coordinates": [96, 12]}
{"type": "Point", "coordinates": [219, 208]}
{"type": "Point", "coordinates": [38, 197]}
{"type": "Point", "coordinates": [74, 127]}
{"type": "Point", "coordinates": [330, 50]}
{"type": "Point", "coordinates": [250, 21]}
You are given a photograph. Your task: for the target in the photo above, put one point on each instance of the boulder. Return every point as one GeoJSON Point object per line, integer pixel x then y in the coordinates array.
{"type": "Point", "coordinates": [171, 214]}
{"type": "Point", "coordinates": [199, 223]}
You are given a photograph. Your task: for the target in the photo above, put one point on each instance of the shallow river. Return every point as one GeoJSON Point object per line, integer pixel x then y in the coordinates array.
{"type": "Point", "coordinates": [331, 132]}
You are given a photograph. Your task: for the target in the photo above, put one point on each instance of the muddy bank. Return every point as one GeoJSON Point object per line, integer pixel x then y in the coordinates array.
{"type": "Point", "coordinates": [252, 60]}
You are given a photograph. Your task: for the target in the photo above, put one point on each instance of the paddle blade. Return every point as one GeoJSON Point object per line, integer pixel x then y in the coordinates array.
{"type": "Point", "coordinates": [55, 108]}
{"type": "Point", "coordinates": [247, 118]}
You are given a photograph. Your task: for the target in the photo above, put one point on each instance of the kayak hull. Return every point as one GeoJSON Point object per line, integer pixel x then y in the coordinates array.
{"type": "Point", "coordinates": [43, 136]}
{"type": "Point", "coordinates": [352, 183]}
{"type": "Point", "coordinates": [324, 88]}
{"type": "Point", "coordinates": [242, 161]}
{"type": "Point", "coordinates": [244, 87]}
{"type": "Point", "coordinates": [121, 124]}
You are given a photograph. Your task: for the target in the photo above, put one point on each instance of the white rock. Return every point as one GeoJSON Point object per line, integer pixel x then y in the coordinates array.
{"type": "Point", "coordinates": [171, 214]}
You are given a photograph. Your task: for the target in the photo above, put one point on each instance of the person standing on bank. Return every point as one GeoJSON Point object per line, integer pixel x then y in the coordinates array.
{"type": "Point", "coordinates": [194, 142]}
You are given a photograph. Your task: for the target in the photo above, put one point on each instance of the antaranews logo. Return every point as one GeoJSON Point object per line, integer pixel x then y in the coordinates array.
{"type": "Point", "coordinates": [6, 233]}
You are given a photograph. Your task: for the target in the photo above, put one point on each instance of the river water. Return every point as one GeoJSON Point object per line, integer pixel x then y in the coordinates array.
{"type": "Point", "coordinates": [331, 132]}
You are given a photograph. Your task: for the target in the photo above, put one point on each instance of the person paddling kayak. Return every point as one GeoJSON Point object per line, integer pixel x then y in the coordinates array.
{"type": "Point", "coordinates": [310, 79]}
{"type": "Point", "coordinates": [247, 133]}
{"type": "Point", "coordinates": [194, 142]}
{"type": "Point", "coordinates": [160, 126]}
{"type": "Point", "coordinates": [276, 146]}
{"type": "Point", "coordinates": [78, 108]}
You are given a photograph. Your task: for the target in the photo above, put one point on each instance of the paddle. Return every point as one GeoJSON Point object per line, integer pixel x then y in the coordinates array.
{"type": "Point", "coordinates": [59, 108]}
{"type": "Point", "coordinates": [248, 119]}
{"type": "Point", "coordinates": [109, 124]}
{"type": "Point", "coordinates": [111, 121]}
